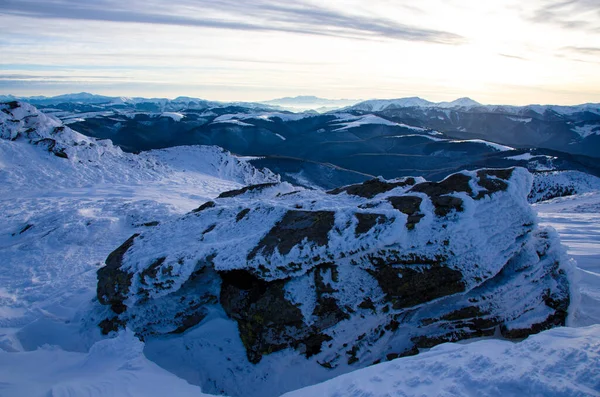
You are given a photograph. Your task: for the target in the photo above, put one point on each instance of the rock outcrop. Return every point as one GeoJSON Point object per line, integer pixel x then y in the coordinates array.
{"type": "Point", "coordinates": [350, 277]}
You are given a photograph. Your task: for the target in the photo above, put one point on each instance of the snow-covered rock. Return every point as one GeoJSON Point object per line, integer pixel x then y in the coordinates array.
{"type": "Point", "coordinates": [360, 274]}
{"type": "Point", "coordinates": [552, 184]}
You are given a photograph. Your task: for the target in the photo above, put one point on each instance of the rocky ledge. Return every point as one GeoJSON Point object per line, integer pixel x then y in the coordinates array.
{"type": "Point", "coordinates": [348, 277]}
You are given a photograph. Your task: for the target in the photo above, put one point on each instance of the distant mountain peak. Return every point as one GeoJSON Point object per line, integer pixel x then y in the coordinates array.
{"type": "Point", "coordinates": [460, 102]}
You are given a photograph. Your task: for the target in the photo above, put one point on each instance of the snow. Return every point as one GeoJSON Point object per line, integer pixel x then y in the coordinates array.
{"type": "Point", "coordinates": [524, 156]}
{"type": "Point", "coordinates": [82, 207]}
{"type": "Point", "coordinates": [587, 130]}
{"type": "Point", "coordinates": [175, 116]}
{"type": "Point", "coordinates": [521, 119]}
{"type": "Point", "coordinates": [431, 138]}
{"type": "Point", "coordinates": [461, 102]}
{"type": "Point", "coordinates": [234, 122]}
{"type": "Point", "coordinates": [112, 368]}
{"type": "Point", "coordinates": [357, 121]}
{"type": "Point", "coordinates": [378, 105]}
{"type": "Point", "coordinates": [559, 362]}
{"type": "Point", "coordinates": [577, 220]}
{"type": "Point", "coordinates": [496, 146]}
{"type": "Point", "coordinates": [266, 116]}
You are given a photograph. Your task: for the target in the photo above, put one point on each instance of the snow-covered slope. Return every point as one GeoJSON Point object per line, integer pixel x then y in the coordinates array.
{"type": "Point", "coordinates": [112, 368]}
{"type": "Point", "coordinates": [88, 161]}
{"type": "Point", "coordinates": [559, 362]}
{"type": "Point", "coordinates": [62, 214]}
{"type": "Point", "coordinates": [551, 184]}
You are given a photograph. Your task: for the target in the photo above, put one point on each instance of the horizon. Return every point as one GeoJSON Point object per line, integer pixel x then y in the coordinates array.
{"type": "Point", "coordinates": [545, 51]}
{"type": "Point", "coordinates": [356, 100]}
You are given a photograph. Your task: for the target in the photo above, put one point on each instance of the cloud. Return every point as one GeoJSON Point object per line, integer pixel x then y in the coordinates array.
{"type": "Point", "coordinates": [584, 50]}
{"type": "Point", "coordinates": [569, 14]}
{"type": "Point", "coordinates": [583, 54]}
{"type": "Point", "coordinates": [248, 15]}
{"type": "Point", "coordinates": [33, 77]}
{"type": "Point", "coordinates": [513, 57]}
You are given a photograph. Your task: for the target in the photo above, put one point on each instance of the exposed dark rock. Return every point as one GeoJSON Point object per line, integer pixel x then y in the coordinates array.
{"type": "Point", "coordinates": [114, 283]}
{"type": "Point", "coordinates": [13, 105]}
{"type": "Point", "coordinates": [409, 205]}
{"type": "Point", "coordinates": [557, 319]}
{"type": "Point", "coordinates": [446, 204]}
{"type": "Point", "coordinates": [493, 185]}
{"type": "Point", "coordinates": [209, 229]}
{"type": "Point", "coordinates": [367, 304]}
{"type": "Point", "coordinates": [413, 351]}
{"type": "Point", "coordinates": [452, 184]}
{"type": "Point", "coordinates": [189, 320]}
{"type": "Point", "coordinates": [47, 143]}
{"type": "Point", "coordinates": [267, 321]}
{"type": "Point", "coordinates": [463, 313]}
{"type": "Point", "coordinates": [407, 286]}
{"type": "Point", "coordinates": [242, 214]}
{"type": "Point", "coordinates": [207, 205]}
{"type": "Point", "coordinates": [294, 227]}
{"type": "Point", "coordinates": [372, 187]}
{"type": "Point", "coordinates": [111, 325]}
{"type": "Point", "coordinates": [367, 221]}
{"type": "Point", "coordinates": [251, 188]}
{"type": "Point", "coordinates": [60, 153]}
{"type": "Point", "coordinates": [152, 270]}
{"type": "Point", "coordinates": [26, 228]}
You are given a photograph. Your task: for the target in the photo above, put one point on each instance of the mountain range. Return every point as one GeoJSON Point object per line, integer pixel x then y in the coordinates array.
{"type": "Point", "coordinates": [389, 138]}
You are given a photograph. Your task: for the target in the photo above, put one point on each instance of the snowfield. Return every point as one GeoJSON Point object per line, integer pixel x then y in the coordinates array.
{"type": "Point", "coordinates": [60, 218]}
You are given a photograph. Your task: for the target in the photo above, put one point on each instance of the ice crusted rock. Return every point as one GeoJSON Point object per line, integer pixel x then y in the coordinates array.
{"type": "Point", "coordinates": [360, 274]}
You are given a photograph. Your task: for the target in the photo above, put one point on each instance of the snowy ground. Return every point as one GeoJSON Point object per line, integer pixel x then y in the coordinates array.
{"type": "Point", "coordinates": [58, 224]}
{"type": "Point", "coordinates": [577, 220]}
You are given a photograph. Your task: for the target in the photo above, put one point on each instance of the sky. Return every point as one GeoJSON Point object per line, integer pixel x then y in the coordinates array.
{"type": "Point", "coordinates": [497, 51]}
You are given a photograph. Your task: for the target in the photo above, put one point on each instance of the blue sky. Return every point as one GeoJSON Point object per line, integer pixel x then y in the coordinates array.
{"type": "Point", "coordinates": [544, 51]}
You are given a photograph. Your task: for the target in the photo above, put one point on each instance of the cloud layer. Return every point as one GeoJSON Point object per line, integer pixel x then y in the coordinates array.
{"type": "Point", "coordinates": [247, 15]}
